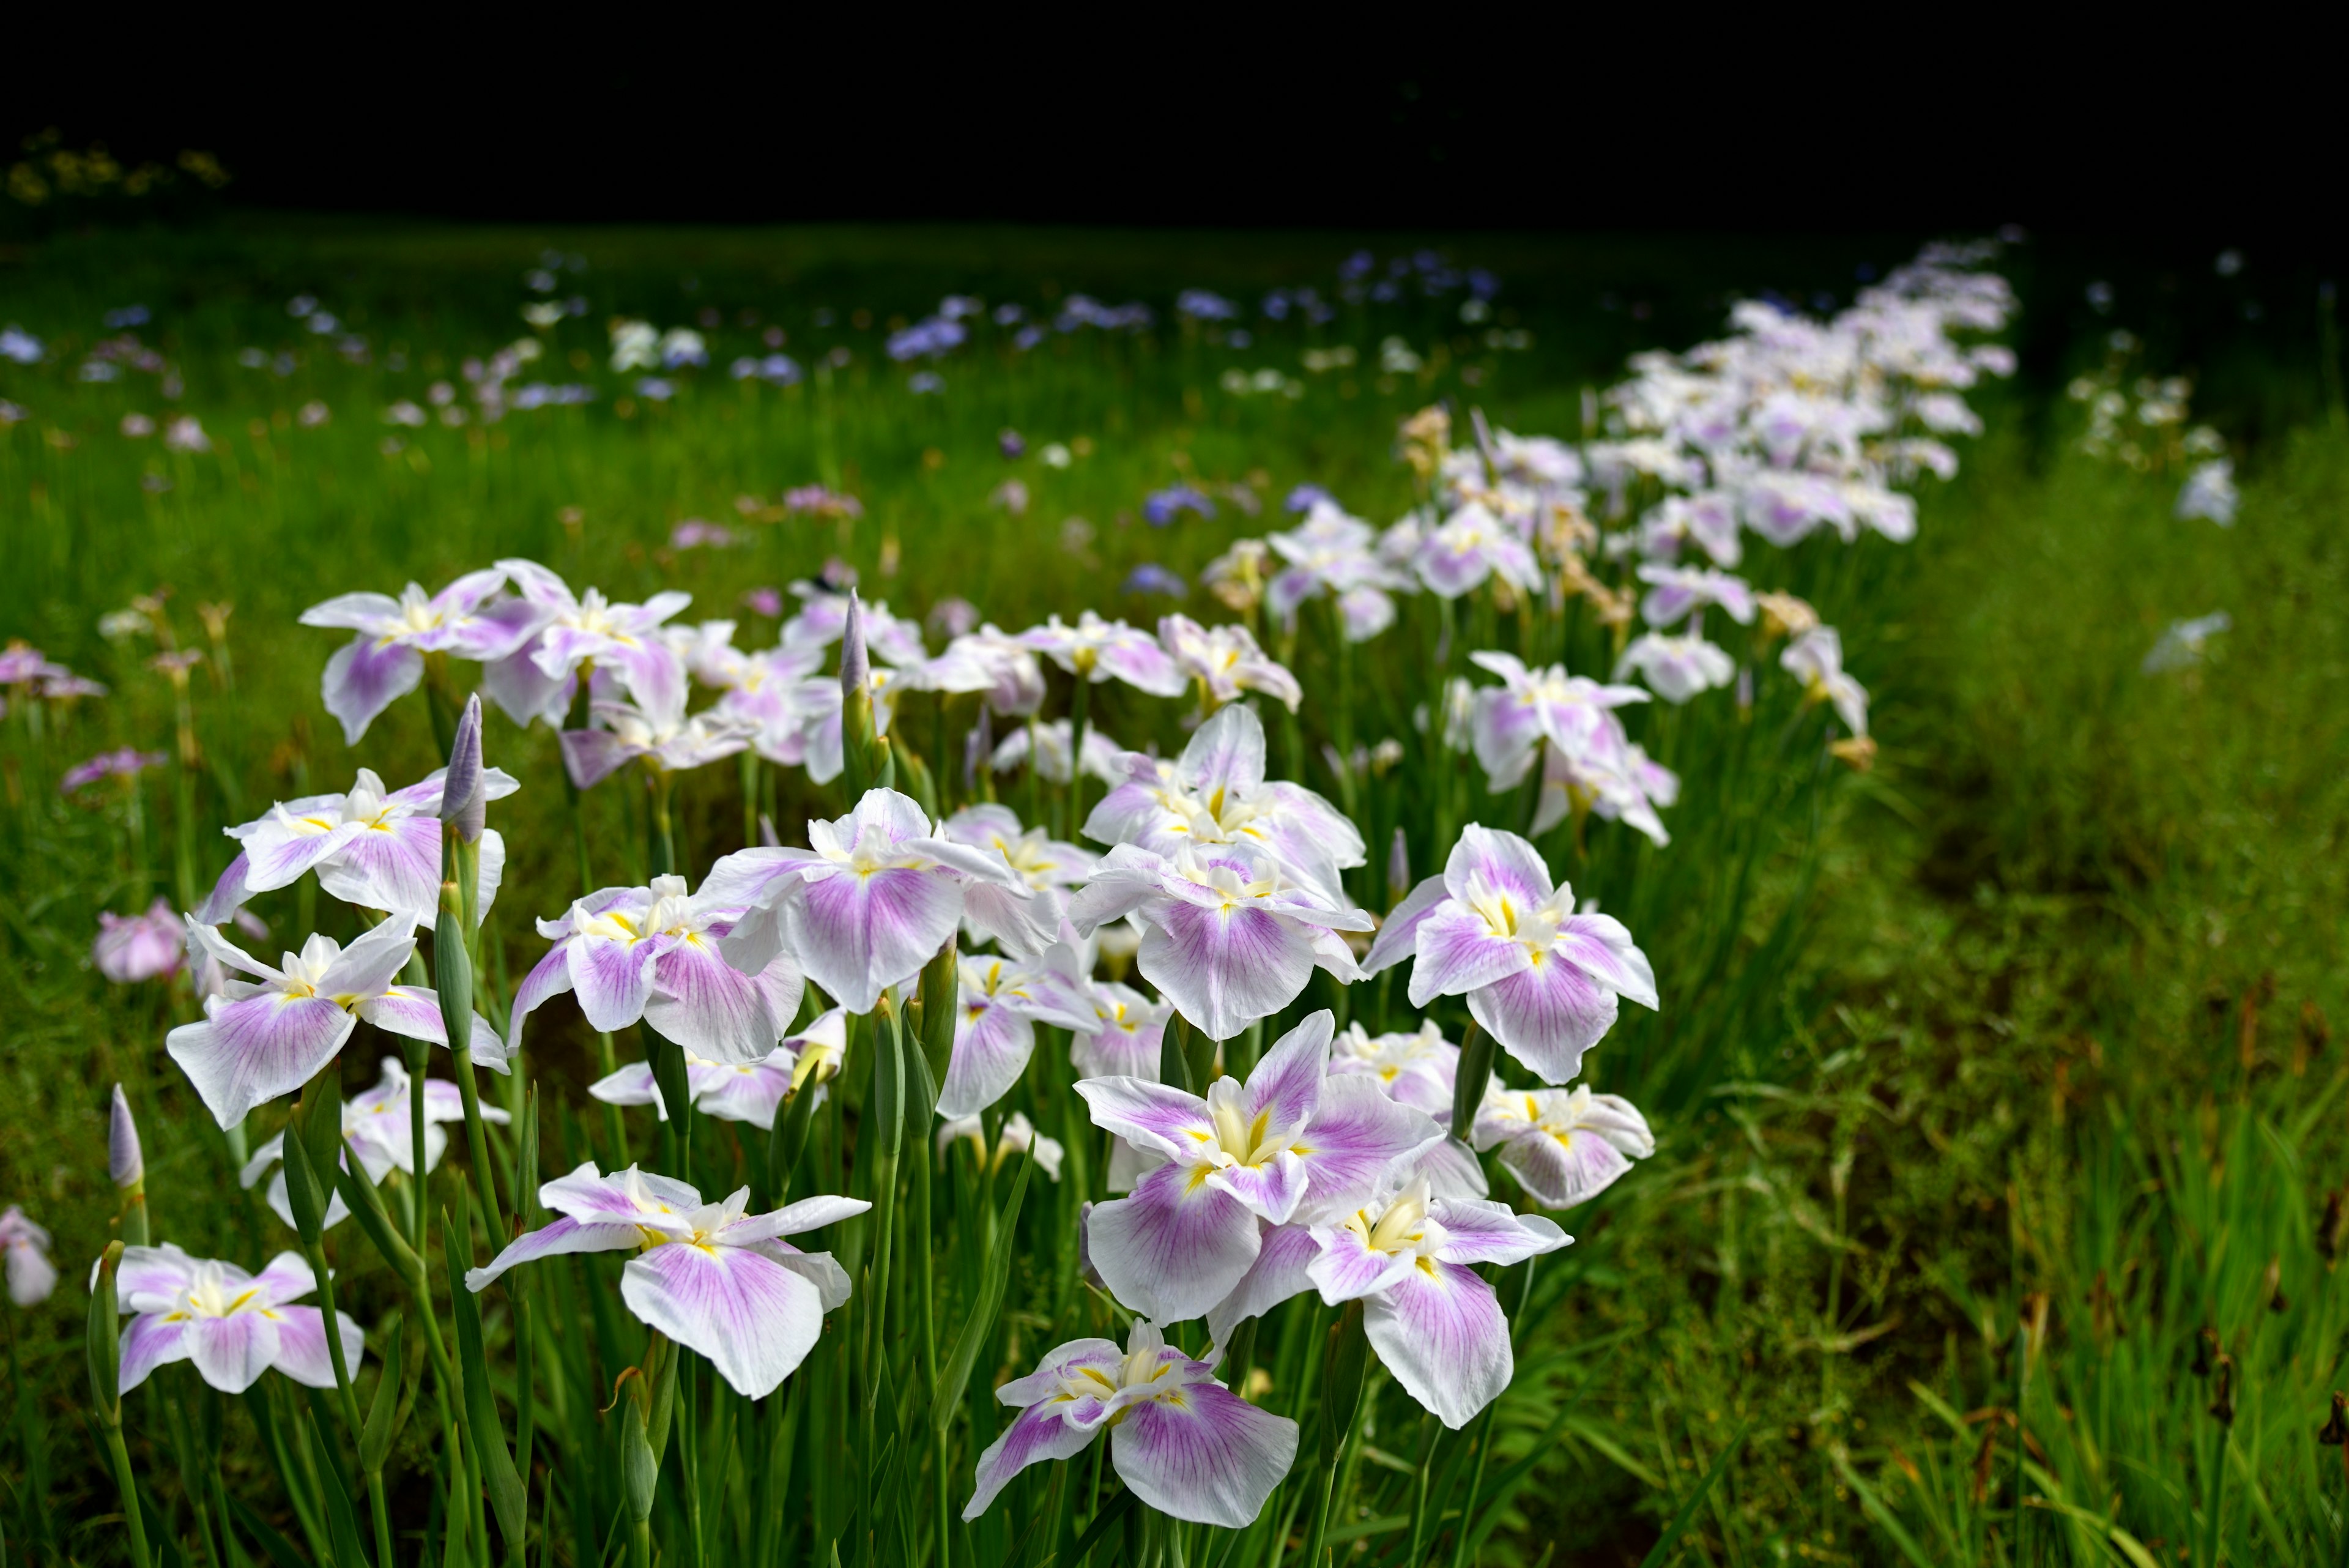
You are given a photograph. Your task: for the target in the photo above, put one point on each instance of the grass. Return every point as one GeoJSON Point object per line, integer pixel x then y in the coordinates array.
{"type": "Point", "coordinates": [2019, 1080]}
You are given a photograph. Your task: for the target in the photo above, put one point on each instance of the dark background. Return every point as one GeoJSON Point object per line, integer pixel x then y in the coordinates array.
{"type": "Point", "coordinates": [2161, 132]}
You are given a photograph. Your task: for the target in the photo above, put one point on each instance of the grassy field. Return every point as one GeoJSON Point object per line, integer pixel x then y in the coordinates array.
{"type": "Point", "coordinates": [2020, 1079]}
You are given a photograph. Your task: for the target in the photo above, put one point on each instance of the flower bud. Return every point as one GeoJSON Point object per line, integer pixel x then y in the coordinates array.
{"type": "Point", "coordinates": [124, 1164]}
{"type": "Point", "coordinates": [1398, 868]}
{"type": "Point", "coordinates": [855, 668]}
{"type": "Point", "coordinates": [465, 797]}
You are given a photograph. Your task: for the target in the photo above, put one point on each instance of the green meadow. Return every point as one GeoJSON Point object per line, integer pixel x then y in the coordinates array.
{"type": "Point", "coordinates": [2001, 1112]}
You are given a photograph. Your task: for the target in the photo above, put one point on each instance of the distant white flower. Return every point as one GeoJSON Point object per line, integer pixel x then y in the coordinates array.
{"type": "Point", "coordinates": [2210, 492]}
{"type": "Point", "coordinates": [2183, 643]}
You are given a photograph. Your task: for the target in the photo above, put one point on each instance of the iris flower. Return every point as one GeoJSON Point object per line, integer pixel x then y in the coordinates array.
{"type": "Point", "coordinates": [1541, 979]}
{"type": "Point", "coordinates": [564, 631]}
{"type": "Point", "coordinates": [1123, 1039]}
{"type": "Point", "coordinates": [1678, 668]}
{"type": "Point", "coordinates": [374, 847]}
{"type": "Point", "coordinates": [1674, 591]}
{"type": "Point", "coordinates": [386, 660]}
{"type": "Point", "coordinates": [133, 947]}
{"type": "Point", "coordinates": [1292, 1138]}
{"type": "Point", "coordinates": [1415, 1069]}
{"type": "Point", "coordinates": [1410, 1258]}
{"type": "Point", "coordinates": [1096, 649]}
{"type": "Point", "coordinates": [738, 1091]}
{"type": "Point", "coordinates": [376, 1127]}
{"type": "Point", "coordinates": [1471, 546]}
{"type": "Point", "coordinates": [234, 1326]}
{"type": "Point", "coordinates": [1571, 713]}
{"type": "Point", "coordinates": [711, 1277]}
{"type": "Point", "coordinates": [1181, 1441]}
{"type": "Point", "coordinates": [1232, 936]}
{"type": "Point", "coordinates": [995, 1029]}
{"type": "Point", "coordinates": [1331, 552]}
{"type": "Point", "coordinates": [1025, 917]}
{"type": "Point", "coordinates": [865, 909]}
{"type": "Point", "coordinates": [1227, 661]}
{"type": "Point", "coordinates": [1563, 1146]}
{"type": "Point", "coordinates": [1018, 1137]}
{"type": "Point", "coordinates": [652, 953]}
{"type": "Point", "coordinates": [1815, 658]}
{"type": "Point", "coordinates": [267, 1037]}
{"type": "Point", "coordinates": [31, 1275]}
{"type": "Point", "coordinates": [1217, 796]}
{"type": "Point", "coordinates": [665, 736]}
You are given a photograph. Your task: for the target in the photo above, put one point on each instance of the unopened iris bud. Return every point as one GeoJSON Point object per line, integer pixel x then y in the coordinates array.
{"type": "Point", "coordinates": [124, 1163]}
{"type": "Point", "coordinates": [1398, 868]}
{"type": "Point", "coordinates": [465, 797]}
{"type": "Point", "coordinates": [855, 668]}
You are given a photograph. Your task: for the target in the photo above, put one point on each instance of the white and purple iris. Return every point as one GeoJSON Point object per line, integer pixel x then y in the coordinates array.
{"type": "Point", "coordinates": [1230, 935]}
{"type": "Point", "coordinates": [1410, 1258]}
{"type": "Point", "coordinates": [1816, 659]}
{"type": "Point", "coordinates": [653, 953]}
{"type": "Point", "coordinates": [1563, 1146]}
{"type": "Point", "coordinates": [31, 1275]}
{"type": "Point", "coordinates": [1226, 661]}
{"type": "Point", "coordinates": [1096, 649]}
{"type": "Point", "coordinates": [995, 1030]}
{"type": "Point", "coordinates": [386, 660]}
{"type": "Point", "coordinates": [268, 1037]}
{"type": "Point", "coordinates": [739, 1091]}
{"type": "Point", "coordinates": [1676, 667]}
{"type": "Point", "coordinates": [1024, 919]}
{"type": "Point", "coordinates": [534, 679]}
{"type": "Point", "coordinates": [1217, 794]}
{"type": "Point", "coordinates": [372, 848]}
{"type": "Point", "coordinates": [1541, 979]}
{"type": "Point", "coordinates": [1415, 1069]}
{"type": "Point", "coordinates": [713, 1278]}
{"type": "Point", "coordinates": [1184, 1443]}
{"type": "Point", "coordinates": [867, 907]}
{"type": "Point", "coordinates": [233, 1325]}
{"type": "Point", "coordinates": [379, 1129]}
{"type": "Point", "coordinates": [1228, 1163]}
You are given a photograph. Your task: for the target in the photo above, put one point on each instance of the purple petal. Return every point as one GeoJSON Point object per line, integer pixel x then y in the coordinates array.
{"type": "Point", "coordinates": [1603, 950]}
{"type": "Point", "coordinates": [1355, 1135]}
{"type": "Point", "coordinates": [1227, 754]}
{"type": "Point", "coordinates": [991, 1046]}
{"type": "Point", "coordinates": [355, 612]}
{"type": "Point", "coordinates": [1039, 1433]}
{"type": "Point", "coordinates": [1278, 1273]}
{"type": "Point", "coordinates": [231, 1353]}
{"type": "Point", "coordinates": [1547, 1016]}
{"type": "Point", "coordinates": [1224, 969]}
{"type": "Point", "coordinates": [517, 685]}
{"type": "Point", "coordinates": [1398, 937]}
{"type": "Point", "coordinates": [1272, 1191]}
{"type": "Point", "coordinates": [857, 935]}
{"type": "Point", "coordinates": [613, 978]}
{"type": "Point", "coordinates": [586, 1196]}
{"type": "Point", "coordinates": [412, 1011]}
{"type": "Point", "coordinates": [717, 1012]}
{"type": "Point", "coordinates": [1288, 1081]}
{"type": "Point", "coordinates": [1440, 1331]}
{"type": "Point", "coordinates": [1563, 1172]}
{"type": "Point", "coordinates": [302, 1352]}
{"type": "Point", "coordinates": [251, 1051]}
{"type": "Point", "coordinates": [591, 756]}
{"type": "Point", "coordinates": [631, 1085]}
{"type": "Point", "coordinates": [150, 1279]}
{"type": "Point", "coordinates": [1155, 1114]}
{"type": "Point", "coordinates": [739, 1093]}
{"type": "Point", "coordinates": [275, 857]}
{"type": "Point", "coordinates": [548, 979]}
{"type": "Point", "coordinates": [1348, 1268]}
{"type": "Point", "coordinates": [152, 1340]}
{"type": "Point", "coordinates": [1458, 952]}
{"type": "Point", "coordinates": [228, 895]}
{"type": "Point", "coordinates": [754, 1319]}
{"type": "Point", "coordinates": [565, 1235]}
{"type": "Point", "coordinates": [1142, 664]}
{"type": "Point", "coordinates": [364, 678]}
{"type": "Point", "coordinates": [1202, 1453]}
{"type": "Point", "coordinates": [396, 866]}
{"type": "Point", "coordinates": [1176, 1247]}
{"type": "Point", "coordinates": [1487, 1232]}
{"type": "Point", "coordinates": [1502, 861]}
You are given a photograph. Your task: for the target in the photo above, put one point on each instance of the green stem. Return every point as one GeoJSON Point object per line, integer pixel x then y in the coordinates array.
{"type": "Point", "coordinates": [1467, 1524]}
{"type": "Point", "coordinates": [130, 1486]}
{"type": "Point", "coordinates": [1080, 722]}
